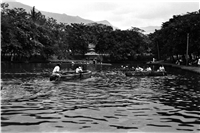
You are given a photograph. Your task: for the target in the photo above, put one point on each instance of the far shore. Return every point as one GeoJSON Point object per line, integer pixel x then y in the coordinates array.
{"type": "Point", "coordinates": [60, 61]}
{"type": "Point", "coordinates": [195, 69]}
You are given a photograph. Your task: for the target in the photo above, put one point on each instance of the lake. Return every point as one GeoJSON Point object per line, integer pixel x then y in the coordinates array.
{"type": "Point", "coordinates": [106, 102]}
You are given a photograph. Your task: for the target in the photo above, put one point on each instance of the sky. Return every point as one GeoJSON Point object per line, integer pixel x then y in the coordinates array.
{"type": "Point", "coordinates": [122, 14]}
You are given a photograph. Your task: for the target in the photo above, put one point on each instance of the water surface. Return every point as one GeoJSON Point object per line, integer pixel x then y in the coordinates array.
{"type": "Point", "coordinates": [106, 102]}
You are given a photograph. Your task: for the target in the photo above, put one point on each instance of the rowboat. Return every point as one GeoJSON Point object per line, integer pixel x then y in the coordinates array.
{"type": "Point", "coordinates": [146, 73]}
{"type": "Point", "coordinates": [71, 75]}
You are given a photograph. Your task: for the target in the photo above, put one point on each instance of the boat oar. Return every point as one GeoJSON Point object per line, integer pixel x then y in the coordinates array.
{"type": "Point", "coordinates": [80, 75]}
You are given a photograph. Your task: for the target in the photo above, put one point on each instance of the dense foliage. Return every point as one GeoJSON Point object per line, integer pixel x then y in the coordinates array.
{"type": "Point", "coordinates": [175, 34]}
{"type": "Point", "coordinates": [29, 35]}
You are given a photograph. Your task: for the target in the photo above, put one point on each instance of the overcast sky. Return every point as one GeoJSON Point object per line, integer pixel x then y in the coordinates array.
{"type": "Point", "coordinates": [123, 14]}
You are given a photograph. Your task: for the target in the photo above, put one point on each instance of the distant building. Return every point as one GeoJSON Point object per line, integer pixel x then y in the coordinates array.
{"type": "Point", "coordinates": [91, 55]}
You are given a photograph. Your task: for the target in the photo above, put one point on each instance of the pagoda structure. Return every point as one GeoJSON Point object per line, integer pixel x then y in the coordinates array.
{"type": "Point", "coordinates": [91, 55]}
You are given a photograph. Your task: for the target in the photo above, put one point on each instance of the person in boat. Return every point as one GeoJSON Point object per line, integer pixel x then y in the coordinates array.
{"type": "Point", "coordinates": [133, 68]}
{"type": "Point", "coordinates": [124, 67]}
{"type": "Point", "coordinates": [79, 69]}
{"type": "Point", "coordinates": [139, 69]}
{"type": "Point", "coordinates": [198, 63]}
{"type": "Point", "coordinates": [56, 70]}
{"type": "Point", "coordinates": [161, 69]}
{"type": "Point", "coordinates": [148, 69]}
{"type": "Point", "coordinates": [56, 74]}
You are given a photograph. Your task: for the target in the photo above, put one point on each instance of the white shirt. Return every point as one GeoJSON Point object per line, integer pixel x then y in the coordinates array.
{"type": "Point", "coordinates": [162, 68]}
{"type": "Point", "coordinates": [149, 69]}
{"type": "Point", "coordinates": [56, 69]}
{"type": "Point", "coordinates": [79, 69]}
{"type": "Point", "coordinates": [199, 61]}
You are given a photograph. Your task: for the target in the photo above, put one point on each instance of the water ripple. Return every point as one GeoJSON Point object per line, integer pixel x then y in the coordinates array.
{"type": "Point", "coordinates": [108, 101]}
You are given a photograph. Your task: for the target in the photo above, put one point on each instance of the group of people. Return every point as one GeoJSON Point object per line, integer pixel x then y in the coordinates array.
{"type": "Point", "coordinates": [140, 69]}
{"type": "Point", "coordinates": [194, 61]}
{"type": "Point", "coordinates": [56, 71]}
{"type": "Point", "coordinates": [149, 69]}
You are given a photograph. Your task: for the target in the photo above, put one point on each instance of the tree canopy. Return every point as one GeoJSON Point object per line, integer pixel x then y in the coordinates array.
{"type": "Point", "coordinates": [171, 39]}
{"type": "Point", "coordinates": [25, 35]}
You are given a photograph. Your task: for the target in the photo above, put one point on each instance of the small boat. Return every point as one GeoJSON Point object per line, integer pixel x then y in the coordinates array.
{"type": "Point", "coordinates": [71, 75]}
{"type": "Point", "coordinates": [146, 73]}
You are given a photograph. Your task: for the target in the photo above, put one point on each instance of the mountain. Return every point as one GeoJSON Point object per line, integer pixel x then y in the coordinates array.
{"type": "Point", "coordinates": [103, 22]}
{"type": "Point", "coordinates": [13, 4]}
{"type": "Point", "coordinates": [64, 18]}
{"type": "Point", "coordinates": [150, 29]}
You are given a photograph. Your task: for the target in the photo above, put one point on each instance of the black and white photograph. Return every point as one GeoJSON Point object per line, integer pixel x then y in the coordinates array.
{"type": "Point", "coordinates": [100, 66]}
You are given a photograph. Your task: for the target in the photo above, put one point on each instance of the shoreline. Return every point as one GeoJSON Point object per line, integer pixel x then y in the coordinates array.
{"type": "Point", "coordinates": [195, 69]}
{"type": "Point", "coordinates": [82, 62]}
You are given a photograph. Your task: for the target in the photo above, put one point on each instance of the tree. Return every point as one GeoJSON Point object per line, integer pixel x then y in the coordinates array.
{"type": "Point", "coordinates": [171, 39]}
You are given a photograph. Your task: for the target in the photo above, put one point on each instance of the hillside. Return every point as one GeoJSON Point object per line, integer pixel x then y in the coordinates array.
{"type": "Point", "coordinates": [150, 29]}
{"type": "Point", "coordinates": [64, 18]}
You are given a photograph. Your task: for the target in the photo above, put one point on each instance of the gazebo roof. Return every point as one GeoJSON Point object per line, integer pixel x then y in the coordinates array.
{"type": "Point", "coordinates": [91, 54]}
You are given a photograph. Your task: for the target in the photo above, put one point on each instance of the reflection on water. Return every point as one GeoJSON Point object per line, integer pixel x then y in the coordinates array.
{"type": "Point", "coordinates": [108, 101]}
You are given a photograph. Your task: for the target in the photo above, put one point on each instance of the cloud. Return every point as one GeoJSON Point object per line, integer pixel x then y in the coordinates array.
{"type": "Point", "coordinates": [151, 13]}
{"type": "Point", "coordinates": [121, 13]}
{"type": "Point", "coordinates": [4, 1]}
{"type": "Point", "coordinates": [102, 6]}
{"type": "Point", "coordinates": [167, 9]}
